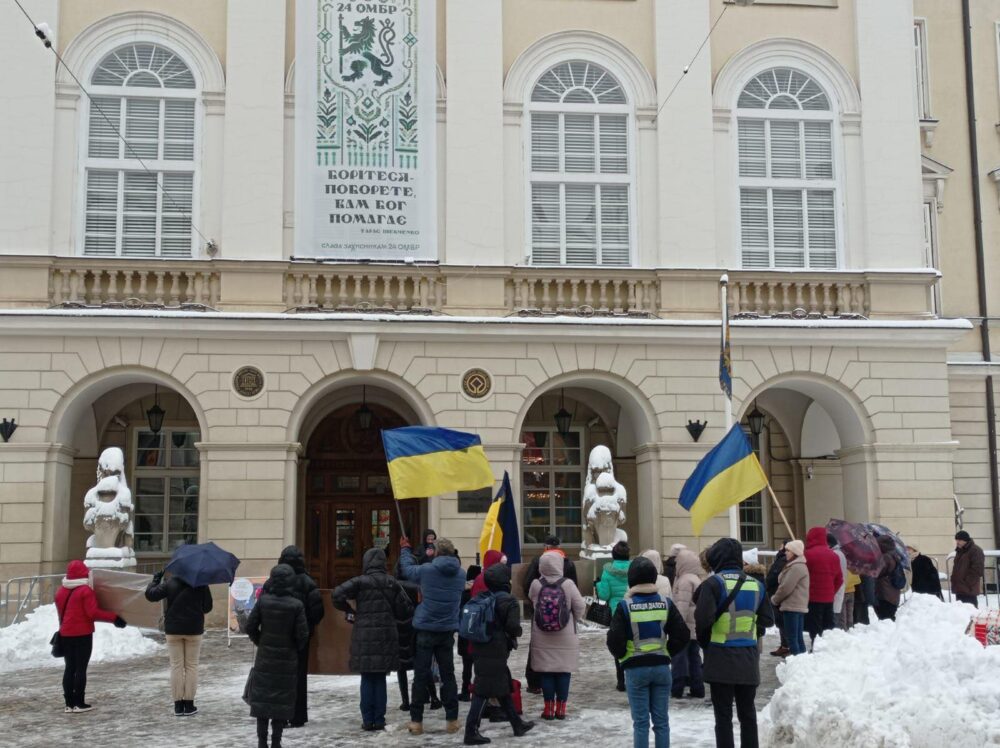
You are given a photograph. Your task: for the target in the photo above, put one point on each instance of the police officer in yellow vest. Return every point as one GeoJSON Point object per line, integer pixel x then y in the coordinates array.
{"type": "Point", "coordinates": [646, 629]}
{"type": "Point", "coordinates": [731, 614]}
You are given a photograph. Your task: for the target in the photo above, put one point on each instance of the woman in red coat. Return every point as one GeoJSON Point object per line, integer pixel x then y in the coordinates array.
{"type": "Point", "coordinates": [77, 607]}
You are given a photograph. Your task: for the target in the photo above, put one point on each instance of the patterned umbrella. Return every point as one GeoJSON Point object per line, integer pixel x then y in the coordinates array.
{"type": "Point", "coordinates": [880, 530]}
{"type": "Point", "coordinates": [859, 546]}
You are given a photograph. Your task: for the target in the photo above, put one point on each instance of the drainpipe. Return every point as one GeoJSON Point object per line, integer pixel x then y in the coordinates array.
{"type": "Point", "coordinates": [984, 323]}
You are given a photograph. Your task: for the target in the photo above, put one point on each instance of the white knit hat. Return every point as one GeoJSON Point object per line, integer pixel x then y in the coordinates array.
{"type": "Point", "coordinates": [795, 547]}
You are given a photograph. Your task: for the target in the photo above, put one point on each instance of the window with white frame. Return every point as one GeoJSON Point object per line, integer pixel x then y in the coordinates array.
{"type": "Point", "coordinates": [165, 479]}
{"type": "Point", "coordinates": [581, 182]}
{"type": "Point", "coordinates": [922, 69]}
{"type": "Point", "coordinates": [149, 95]}
{"type": "Point", "coordinates": [787, 175]}
{"type": "Point", "coordinates": [751, 511]}
{"type": "Point", "coordinates": [552, 473]}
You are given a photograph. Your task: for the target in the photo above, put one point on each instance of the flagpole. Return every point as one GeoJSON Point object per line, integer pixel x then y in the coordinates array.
{"type": "Point", "coordinates": [780, 510]}
{"type": "Point", "coordinates": [734, 515]}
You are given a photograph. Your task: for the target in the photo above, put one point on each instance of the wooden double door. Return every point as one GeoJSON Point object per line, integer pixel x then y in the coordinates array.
{"type": "Point", "coordinates": [340, 530]}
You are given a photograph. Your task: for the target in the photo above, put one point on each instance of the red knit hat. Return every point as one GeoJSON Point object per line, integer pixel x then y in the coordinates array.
{"type": "Point", "coordinates": [77, 570]}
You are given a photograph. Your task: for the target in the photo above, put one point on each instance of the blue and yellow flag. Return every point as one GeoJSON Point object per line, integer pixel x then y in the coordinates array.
{"type": "Point", "coordinates": [728, 474]}
{"type": "Point", "coordinates": [500, 531]}
{"type": "Point", "coordinates": [426, 461]}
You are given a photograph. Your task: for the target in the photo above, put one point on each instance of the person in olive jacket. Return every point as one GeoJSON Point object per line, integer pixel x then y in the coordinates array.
{"type": "Point", "coordinates": [380, 603]}
{"type": "Point", "coordinates": [492, 677]}
{"type": "Point", "coordinates": [184, 625]}
{"type": "Point", "coordinates": [307, 592]}
{"type": "Point", "coordinates": [277, 626]}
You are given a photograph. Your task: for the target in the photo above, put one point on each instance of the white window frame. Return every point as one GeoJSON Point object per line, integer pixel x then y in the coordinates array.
{"type": "Point", "coordinates": [122, 165]}
{"type": "Point", "coordinates": [164, 473]}
{"type": "Point", "coordinates": [765, 513]}
{"type": "Point", "coordinates": [933, 246]}
{"type": "Point", "coordinates": [922, 69]}
{"type": "Point", "coordinates": [551, 470]}
{"type": "Point", "coordinates": [629, 179]}
{"type": "Point", "coordinates": [836, 184]}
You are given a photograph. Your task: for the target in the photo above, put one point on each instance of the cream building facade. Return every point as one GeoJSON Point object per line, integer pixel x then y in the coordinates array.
{"type": "Point", "coordinates": [593, 184]}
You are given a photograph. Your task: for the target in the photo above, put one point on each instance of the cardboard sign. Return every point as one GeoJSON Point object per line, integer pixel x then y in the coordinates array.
{"type": "Point", "coordinates": [330, 647]}
{"type": "Point", "coordinates": [124, 593]}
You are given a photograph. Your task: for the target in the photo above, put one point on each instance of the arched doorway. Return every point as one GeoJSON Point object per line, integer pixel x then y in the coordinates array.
{"type": "Point", "coordinates": [348, 497]}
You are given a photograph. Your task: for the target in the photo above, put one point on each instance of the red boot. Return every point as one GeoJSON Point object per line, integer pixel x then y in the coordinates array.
{"type": "Point", "coordinates": [560, 710]}
{"type": "Point", "coordinates": [549, 712]}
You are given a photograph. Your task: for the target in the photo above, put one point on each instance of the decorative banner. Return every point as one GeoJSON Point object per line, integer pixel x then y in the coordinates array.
{"type": "Point", "coordinates": [366, 117]}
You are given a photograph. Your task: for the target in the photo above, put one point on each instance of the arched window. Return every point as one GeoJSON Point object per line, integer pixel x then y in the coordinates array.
{"type": "Point", "coordinates": [581, 180]}
{"type": "Point", "coordinates": [787, 175]}
{"type": "Point", "coordinates": [149, 95]}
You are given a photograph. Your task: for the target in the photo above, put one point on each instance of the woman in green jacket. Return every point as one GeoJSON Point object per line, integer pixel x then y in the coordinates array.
{"type": "Point", "coordinates": [612, 586]}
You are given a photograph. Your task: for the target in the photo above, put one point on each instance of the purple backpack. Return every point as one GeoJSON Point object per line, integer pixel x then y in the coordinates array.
{"type": "Point", "coordinates": [552, 608]}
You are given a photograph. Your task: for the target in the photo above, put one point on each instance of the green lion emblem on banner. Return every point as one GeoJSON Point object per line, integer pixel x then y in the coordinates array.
{"type": "Point", "coordinates": [367, 85]}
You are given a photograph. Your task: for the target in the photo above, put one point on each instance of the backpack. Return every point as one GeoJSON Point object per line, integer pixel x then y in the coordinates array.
{"type": "Point", "coordinates": [552, 608]}
{"type": "Point", "coordinates": [898, 578]}
{"type": "Point", "coordinates": [477, 618]}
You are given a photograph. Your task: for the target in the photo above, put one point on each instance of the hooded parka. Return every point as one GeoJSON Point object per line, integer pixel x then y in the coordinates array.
{"type": "Point", "coordinates": [687, 578]}
{"type": "Point", "coordinates": [277, 625]}
{"type": "Point", "coordinates": [490, 659]}
{"type": "Point", "coordinates": [379, 605]}
{"type": "Point", "coordinates": [556, 651]}
{"type": "Point", "coordinates": [305, 589]}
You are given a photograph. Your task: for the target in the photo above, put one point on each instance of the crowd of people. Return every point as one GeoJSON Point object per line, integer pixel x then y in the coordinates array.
{"type": "Point", "coordinates": [676, 625]}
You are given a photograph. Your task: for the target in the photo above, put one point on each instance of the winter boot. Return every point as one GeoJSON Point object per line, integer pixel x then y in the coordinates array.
{"type": "Point", "coordinates": [560, 710]}
{"type": "Point", "coordinates": [276, 729]}
{"type": "Point", "coordinates": [190, 709]}
{"type": "Point", "coordinates": [781, 652]}
{"type": "Point", "coordinates": [416, 728]}
{"type": "Point", "coordinates": [549, 712]}
{"type": "Point", "coordinates": [521, 728]}
{"type": "Point", "coordinates": [452, 726]}
{"type": "Point", "coordinates": [475, 738]}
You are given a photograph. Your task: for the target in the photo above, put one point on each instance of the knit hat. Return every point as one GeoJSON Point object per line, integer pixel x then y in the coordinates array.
{"type": "Point", "coordinates": [963, 535]}
{"type": "Point", "coordinates": [552, 541]}
{"type": "Point", "coordinates": [620, 551]}
{"type": "Point", "coordinates": [795, 547]}
{"type": "Point", "coordinates": [77, 570]}
{"type": "Point", "coordinates": [641, 571]}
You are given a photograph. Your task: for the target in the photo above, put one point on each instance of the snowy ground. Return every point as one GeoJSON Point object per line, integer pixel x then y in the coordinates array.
{"type": "Point", "coordinates": [133, 707]}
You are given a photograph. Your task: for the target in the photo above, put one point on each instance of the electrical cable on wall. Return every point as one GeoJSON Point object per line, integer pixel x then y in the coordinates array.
{"type": "Point", "coordinates": [44, 33]}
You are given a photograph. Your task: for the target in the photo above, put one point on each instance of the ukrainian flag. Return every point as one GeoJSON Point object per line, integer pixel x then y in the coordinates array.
{"type": "Point", "coordinates": [426, 461]}
{"type": "Point", "coordinates": [500, 531]}
{"type": "Point", "coordinates": [728, 474]}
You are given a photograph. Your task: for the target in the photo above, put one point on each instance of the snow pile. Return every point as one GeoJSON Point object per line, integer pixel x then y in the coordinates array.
{"type": "Point", "coordinates": [26, 644]}
{"type": "Point", "coordinates": [917, 683]}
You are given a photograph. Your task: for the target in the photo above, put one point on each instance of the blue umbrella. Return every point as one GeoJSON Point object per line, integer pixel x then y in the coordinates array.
{"type": "Point", "coordinates": [203, 563]}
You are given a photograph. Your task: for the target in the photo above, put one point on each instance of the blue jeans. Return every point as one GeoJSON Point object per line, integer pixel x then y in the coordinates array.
{"type": "Point", "coordinates": [648, 690]}
{"type": "Point", "coordinates": [794, 623]}
{"type": "Point", "coordinates": [555, 686]}
{"type": "Point", "coordinates": [373, 698]}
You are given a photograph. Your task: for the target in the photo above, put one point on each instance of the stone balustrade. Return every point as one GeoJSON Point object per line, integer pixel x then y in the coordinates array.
{"type": "Point", "coordinates": [296, 286]}
{"type": "Point", "coordinates": [132, 283]}
{"type": "Point", "coordinates": [365, 288]}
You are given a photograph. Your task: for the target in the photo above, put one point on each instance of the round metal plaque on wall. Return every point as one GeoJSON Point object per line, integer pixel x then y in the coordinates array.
{"type": "Point", "coordinates": [476, 383]}
{"type": "Point", "coordinates": [248, 381]}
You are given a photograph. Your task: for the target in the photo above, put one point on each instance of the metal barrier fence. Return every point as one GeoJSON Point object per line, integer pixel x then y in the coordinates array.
{"type": "Point", "coordinates": [22, 595]}
{"type": "Point", "coordinates": [991, 571]}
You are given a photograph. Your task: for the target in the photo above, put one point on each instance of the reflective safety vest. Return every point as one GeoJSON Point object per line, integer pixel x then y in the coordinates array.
{"type": "Point", "coordinates": [647, 615]}
{"type": "Point", "coordinates": [737, 626]}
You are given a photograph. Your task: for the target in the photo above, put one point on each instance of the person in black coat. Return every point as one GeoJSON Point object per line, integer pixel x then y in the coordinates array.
{"type": "Point", "coordinates": [379, 605]}
{"type": "Point", "coordinates": [490, 658]}
{"type": "Point", "coordinates": [427, 549]}
{"type": "Point", "coordinates": [463, 644]}
{"type": "Point", "coordinates": [307, 592]}
{"type": "Point", "coordinates": [278, 626]}
{"type": "Point", "coordinates": [771, 585]}
{"type": "Point", "coordinates": [925, 574]}
{"type": "Point", "coordinates": [184, 625]}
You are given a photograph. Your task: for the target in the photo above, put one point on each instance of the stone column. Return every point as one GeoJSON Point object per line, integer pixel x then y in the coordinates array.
{"type": "Point", "coordinates": [648, 499]}
{"type": "Point", "coordinates": [27, 129]}
{"type": "Point", "coordinates": [890, 135]}
{"type": "Point", "coordinates": [253, 153]}
{"type": "Point", "coordinates": [684, 129]}
{"type": "Point", "coordinates": [474, 187]}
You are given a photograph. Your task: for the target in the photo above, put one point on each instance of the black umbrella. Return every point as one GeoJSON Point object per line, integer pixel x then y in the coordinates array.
{"type": "Point", "coordinates": [199, 564]}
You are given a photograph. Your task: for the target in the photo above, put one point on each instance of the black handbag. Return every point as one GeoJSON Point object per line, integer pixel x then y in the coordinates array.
{"type": "Point", "coordinates": [599, 612]}
{"type": "Point", "coordinates": [248, 688]}
{"type": "Point", "coordinates": [56, 640]}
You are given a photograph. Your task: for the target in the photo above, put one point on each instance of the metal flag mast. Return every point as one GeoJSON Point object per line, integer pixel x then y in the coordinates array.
{"type": "Point", "coordinates": [726, 382]}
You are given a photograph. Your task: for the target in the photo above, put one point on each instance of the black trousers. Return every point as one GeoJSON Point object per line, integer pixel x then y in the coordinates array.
{"type": "Point", "coordinates": [434, 645]}
{"type": "Point", "coordinates": [76, 655]}
{"type": "Point", "coordinates": [819, 619]}
{"type": "Point", "coordinates": [277, 727]}
{"type": "Point", "coordinates": [467, 673]}
{"type": "Point", "coordinates": [477, 706]}
{"type": "Point", "coordinates": [970, 599]}
{"type": "Point", "coordinates": [301, 715]}
{"type": "Point", "coordinates": [723, 695]}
